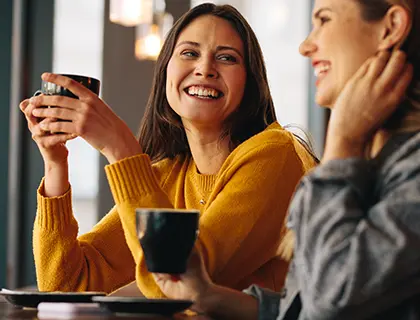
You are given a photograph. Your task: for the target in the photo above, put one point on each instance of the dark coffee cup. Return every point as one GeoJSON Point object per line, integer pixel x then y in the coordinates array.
{"type": "Point", "coordinates": [167, 237]}
{"type": "Point", "coordinates": [51, 89]}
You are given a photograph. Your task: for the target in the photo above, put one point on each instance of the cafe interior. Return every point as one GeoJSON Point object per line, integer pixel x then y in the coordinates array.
{"type": "Point", "coordinates": [117, 42]}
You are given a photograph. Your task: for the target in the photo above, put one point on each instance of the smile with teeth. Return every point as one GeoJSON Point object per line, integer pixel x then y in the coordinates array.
{"type": "Point", "coordinates": [321, 68]}
{"type": "Point", "coordinates": [203, 92]}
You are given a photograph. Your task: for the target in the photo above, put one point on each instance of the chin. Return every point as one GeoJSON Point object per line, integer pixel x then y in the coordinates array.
{"type": "Point", "coordinates": [323, 100]}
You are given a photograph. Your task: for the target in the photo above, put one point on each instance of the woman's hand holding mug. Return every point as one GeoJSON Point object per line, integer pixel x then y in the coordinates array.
{"type": "Point", "coordinates": [87, 117]}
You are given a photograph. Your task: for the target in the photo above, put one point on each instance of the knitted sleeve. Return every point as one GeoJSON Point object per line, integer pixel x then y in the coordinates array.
{"type": "Point", "coordinates": [99, 260]}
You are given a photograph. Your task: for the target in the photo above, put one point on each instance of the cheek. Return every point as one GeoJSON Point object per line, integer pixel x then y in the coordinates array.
{"type": "Point", "coordinates": [170, 76]}
{"type": "Point", "coordinates": [237, 82]}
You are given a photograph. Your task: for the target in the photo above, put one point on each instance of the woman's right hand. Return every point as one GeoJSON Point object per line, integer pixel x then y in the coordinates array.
{"type": "Point", "coordinates": [51, 146]}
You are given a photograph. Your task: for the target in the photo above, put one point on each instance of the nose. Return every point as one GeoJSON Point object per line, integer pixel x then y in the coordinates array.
{"type": "Point", "coordinates": [206, 68]}
{"type": "Point", "coordinates": [307, 47]}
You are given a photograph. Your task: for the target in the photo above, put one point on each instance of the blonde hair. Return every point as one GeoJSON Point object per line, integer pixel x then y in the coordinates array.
{"type": "Point", "coordinates": [407, 117]}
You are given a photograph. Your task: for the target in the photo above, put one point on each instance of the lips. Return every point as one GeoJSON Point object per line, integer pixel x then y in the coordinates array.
{"type": "Point", "coordinates": [204, 92]}
{"type": "Point", "coordinates": [321, 68]}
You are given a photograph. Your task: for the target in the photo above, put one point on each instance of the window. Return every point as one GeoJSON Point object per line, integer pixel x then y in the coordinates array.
{"type": "Point", "coordinates": [78, 50]}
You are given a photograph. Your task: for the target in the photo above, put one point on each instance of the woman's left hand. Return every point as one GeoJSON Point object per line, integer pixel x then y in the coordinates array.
{"type": "Point", "coordinates": [368, 99]}
{"type": "Point", "coordinates": [88, 117]}
{"type": "Point", "coordinates": [195, 284]}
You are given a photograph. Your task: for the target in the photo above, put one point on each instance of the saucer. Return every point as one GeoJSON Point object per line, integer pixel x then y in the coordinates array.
{"type": "Point", "coordinates": [133, 305]}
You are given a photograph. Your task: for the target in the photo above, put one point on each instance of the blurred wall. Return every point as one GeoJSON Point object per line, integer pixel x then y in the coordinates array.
{"type": "Point", "coordinates": [31, 55]}
{"type": "Point", "coordinates": [5, 62]}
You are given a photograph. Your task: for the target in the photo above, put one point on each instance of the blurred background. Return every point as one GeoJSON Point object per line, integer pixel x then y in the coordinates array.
{"type": "Point", "coordinates": [117, 42]}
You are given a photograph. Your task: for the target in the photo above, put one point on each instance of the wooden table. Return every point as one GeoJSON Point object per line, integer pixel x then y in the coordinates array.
{"type": "Point", "coordinates": [9, 312]}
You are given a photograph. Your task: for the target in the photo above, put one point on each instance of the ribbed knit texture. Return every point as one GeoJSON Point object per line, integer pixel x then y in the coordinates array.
{"type": "Point", "coordinates": [241, 219]}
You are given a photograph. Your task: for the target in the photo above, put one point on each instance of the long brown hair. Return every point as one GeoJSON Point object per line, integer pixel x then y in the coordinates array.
{"type": "Point", "coordinates": [407, 116]}
{"type": "Point", "coordinates": [162, 134]}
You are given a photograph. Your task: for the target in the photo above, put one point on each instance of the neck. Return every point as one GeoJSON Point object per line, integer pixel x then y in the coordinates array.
{"type": "Point", "coordinates": [207, 150]}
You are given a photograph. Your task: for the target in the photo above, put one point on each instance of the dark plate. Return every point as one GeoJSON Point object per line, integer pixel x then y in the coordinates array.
{"type": "Point", "coordinates": [31, 299]}
{"type": "Point", "coordinates": [165, 307]}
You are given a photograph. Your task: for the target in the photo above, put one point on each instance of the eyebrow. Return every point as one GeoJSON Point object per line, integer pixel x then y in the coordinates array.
{"type": "Point", "coordinates": [218, 48]}
{"type": "Point", "coordinates": [318, 13]}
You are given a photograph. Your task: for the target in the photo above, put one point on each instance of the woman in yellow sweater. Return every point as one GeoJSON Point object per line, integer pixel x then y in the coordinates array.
{"type": "Point", "coordinates": [208, 141]}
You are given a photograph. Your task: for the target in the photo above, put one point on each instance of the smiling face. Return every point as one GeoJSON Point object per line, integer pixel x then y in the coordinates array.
{"type": "Point", "coordinates": [206, 74]}
{"type": "Point", "coordinates": [340, 42]}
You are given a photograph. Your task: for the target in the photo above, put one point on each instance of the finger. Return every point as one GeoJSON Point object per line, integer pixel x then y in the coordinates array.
{"type": "Point", "coordinates": [57, 113]}
{"type": "Point", "coordinates": [402, 84]}
{"type": "Point", "coordinates": [52, 140]}
{"type": "Point", "coordinates": [23, 105]}
{"type": "Point", "coordinates": [161, 277]}
{"type": "Point", "coordinates": [28, 115]}
{"type": "Point", "coordinates": [393, 70]}
{"type": "Point", "coordinates": [175, 277]}
{"type": "Point", "coordinates": [361, 72]}
{"type": "Point", "coordinates": [44, 123]}
{"type": "Point", "coordinates": [76, 88]}
{"type": "Point", "coordinates": [36, 128]}
{"type": "Point", "coordinates": [379, 63]}
{"type": "Point", "coordinates": [56, 101]}
{"type": "Point", "coordinates": [59, 126]}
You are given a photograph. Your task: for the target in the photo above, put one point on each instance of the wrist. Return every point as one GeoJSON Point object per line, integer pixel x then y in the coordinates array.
{"type": "Point", "coordinates": [121, 152]}
{"type": "Point", "coordinates": [337, 147]}
{"type": "Point", "coordinates": [56, 181]}
{"type": "Point", "coordinates": [208, 299]}
{"type": "Point", "coordinates": [53, 165]}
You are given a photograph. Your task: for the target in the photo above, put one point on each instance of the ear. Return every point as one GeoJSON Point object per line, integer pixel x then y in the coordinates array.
{"type": "Point", "coordinates": [397, 26]}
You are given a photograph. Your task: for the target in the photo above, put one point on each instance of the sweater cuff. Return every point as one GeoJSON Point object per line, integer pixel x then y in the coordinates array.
{"type": "Point", "coordinates": [131, 177]}
{"type": "Point", "coordinates": [268, 302]}
{"type": "Point", "coordinates": [354, 171]}
{"type": "Point", "coordinates": [54, 212]}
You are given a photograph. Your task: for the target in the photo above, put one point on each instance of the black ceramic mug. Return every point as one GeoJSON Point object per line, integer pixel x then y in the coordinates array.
{"type": "Point", "coordinates": [167, 237]}
{"type": "Point", "coordinates": [49, 88]}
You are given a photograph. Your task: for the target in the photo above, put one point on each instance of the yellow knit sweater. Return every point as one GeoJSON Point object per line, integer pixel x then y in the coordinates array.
{"type": "Point", "coordinates": [240, 222]}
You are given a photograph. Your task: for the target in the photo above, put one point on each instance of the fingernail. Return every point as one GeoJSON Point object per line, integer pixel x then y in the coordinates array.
{"type": "Point", "coordinates": [175, 278]}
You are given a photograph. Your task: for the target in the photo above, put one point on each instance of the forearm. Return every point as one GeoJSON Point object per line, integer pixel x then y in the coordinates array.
{"type": "Point", "coordinates": [225, 303]}
{"type": "Point", "coordinates": [56, 179]}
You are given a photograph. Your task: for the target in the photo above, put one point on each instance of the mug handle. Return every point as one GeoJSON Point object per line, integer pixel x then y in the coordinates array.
{"type": "Point", "coordinates": [37, 93]}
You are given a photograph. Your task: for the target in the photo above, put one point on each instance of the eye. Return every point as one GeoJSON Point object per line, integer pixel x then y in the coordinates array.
{"type": "Point", "coordinates": [324, 20]}
{"type": "Point", "coordinates": [189, 54]}
{"type": "Point", "coordinates": [227, 57]}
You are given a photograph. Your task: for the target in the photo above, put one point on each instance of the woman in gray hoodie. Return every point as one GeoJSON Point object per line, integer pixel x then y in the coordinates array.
{"type": "Point", "coordinates": [354, 222]}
